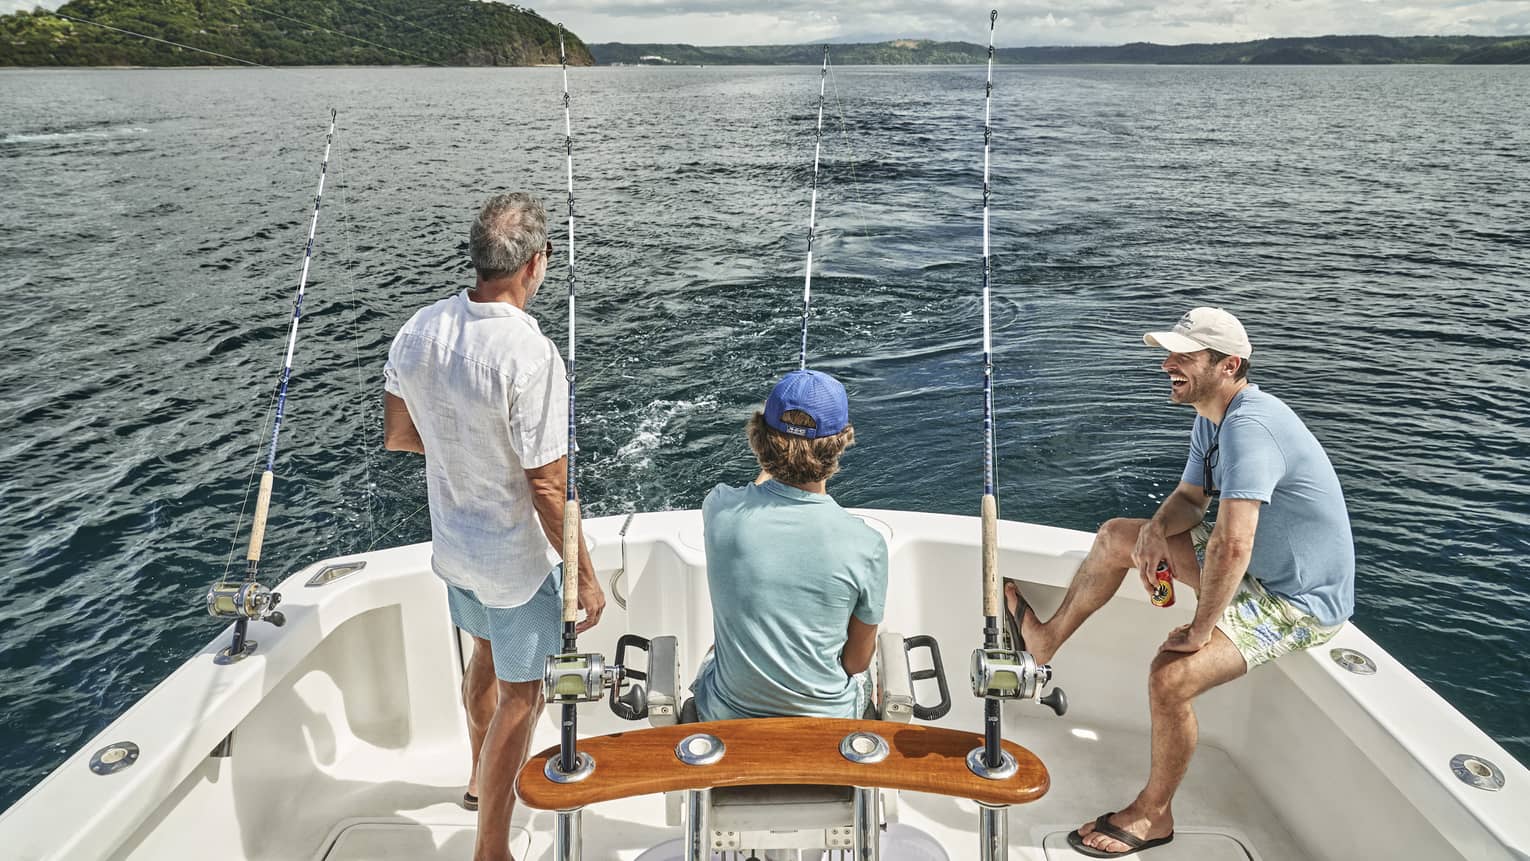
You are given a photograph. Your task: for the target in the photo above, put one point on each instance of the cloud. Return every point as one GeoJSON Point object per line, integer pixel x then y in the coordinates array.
{"type": "Point", "coordinates": [1031, 22]}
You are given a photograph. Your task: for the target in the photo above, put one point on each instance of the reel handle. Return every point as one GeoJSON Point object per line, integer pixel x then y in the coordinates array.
{"type": "Point", "coordinates": [1057, 701]}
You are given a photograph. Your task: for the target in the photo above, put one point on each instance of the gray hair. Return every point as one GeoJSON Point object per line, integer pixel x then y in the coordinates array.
{"type": "Point", "coordinates": [508, 231]}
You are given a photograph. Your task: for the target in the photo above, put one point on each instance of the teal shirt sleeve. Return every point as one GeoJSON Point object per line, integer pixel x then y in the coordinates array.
{"type": "Point", "coordinates": [871, 603]}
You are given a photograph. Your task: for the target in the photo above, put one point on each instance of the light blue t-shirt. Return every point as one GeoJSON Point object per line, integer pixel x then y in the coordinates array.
{"type": "Point", "coordinates": [786, 568]}
{"type": "Point", "coordinates": [1303, 548]}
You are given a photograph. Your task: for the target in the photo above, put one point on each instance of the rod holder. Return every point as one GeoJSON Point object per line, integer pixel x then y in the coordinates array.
{"type": "Point", "coordinates": [868, 825]}
{"type": "Point", "coordinates": [993, 831]}
{"type": "Point", "coordinates": [698, 826]}
{"type": "Point", "coordinates": [568, 841]}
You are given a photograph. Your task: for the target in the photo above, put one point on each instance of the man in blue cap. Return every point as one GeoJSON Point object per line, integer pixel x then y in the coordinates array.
{"type": "Point", "coordinates": [797, 583]}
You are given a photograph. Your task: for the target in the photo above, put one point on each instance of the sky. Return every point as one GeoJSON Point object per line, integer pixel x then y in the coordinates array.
{"type": "Point", "coordinates": [1032, 22]}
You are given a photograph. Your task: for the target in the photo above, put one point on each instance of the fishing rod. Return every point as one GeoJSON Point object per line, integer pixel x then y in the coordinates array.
{"type": "Point", "coordinates": [990, 506]}
{"type": "Point", "coordinates": [571, 677]}
{"type": "Point", "coordinates": [249, 600]}
{"type": "Point", "coordinates": [571, 499]}
{"type": "Point", "coordinates": [807, 278]}
{"type": "Point", "coordinates": [999, 673]}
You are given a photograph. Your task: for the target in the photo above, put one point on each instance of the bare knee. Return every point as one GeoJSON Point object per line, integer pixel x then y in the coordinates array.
{"type": "Point", "coordinates": [520, 696]}
{"type": "Point", "coordinates": [1170, 681]}
{"type": "Point", "coordinates": [1117, 537]}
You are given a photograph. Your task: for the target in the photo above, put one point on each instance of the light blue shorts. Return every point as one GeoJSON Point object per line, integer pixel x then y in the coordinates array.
{"type": "Point", "coordinates": [522, 636]}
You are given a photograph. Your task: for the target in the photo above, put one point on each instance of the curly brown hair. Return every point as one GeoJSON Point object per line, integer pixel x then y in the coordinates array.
{"type": "Point", "coordinates": [795, 459]}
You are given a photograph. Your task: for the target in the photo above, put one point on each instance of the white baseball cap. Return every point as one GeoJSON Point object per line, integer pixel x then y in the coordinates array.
{"type": "Point", "coordinates": [1204, 329]}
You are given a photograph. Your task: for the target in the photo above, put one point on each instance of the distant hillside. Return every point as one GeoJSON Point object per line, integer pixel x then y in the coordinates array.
{"type": "Point", "coordinates": [286, 32]}
{"type": "Point", "coordinates": [1292, 51]}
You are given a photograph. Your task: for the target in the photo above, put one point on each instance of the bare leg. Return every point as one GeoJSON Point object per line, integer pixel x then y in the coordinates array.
{"type": "Point", "coordinates": [480, 696]}
{"type": "Point", "coordinates": [504, 752]}
{"type": "Point", "coordinates": [1174, 683]}
{"type": "Point", "coordinates": [1096, 582]}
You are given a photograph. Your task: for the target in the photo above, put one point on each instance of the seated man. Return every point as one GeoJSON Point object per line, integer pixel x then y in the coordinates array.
{"type": "Point", "coordinates": [1274, 575]}
{"type": "Point", "coordinates": [797, 583]}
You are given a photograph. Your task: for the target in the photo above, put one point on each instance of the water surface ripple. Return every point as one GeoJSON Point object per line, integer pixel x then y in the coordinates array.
{"type": "Point", "coordinates": [1368, 224]}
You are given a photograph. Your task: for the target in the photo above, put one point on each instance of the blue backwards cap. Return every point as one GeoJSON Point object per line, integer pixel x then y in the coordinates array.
{"type": "Point", "coordinates": [815, 393]}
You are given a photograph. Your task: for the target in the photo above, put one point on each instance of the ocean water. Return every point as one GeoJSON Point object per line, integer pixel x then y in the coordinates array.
{"type": "Point", "coordinates": [1368, 225]}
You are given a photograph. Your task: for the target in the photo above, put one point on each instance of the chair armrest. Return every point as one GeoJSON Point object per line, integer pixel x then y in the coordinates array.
{"type": "Point", "coordinates": [897, 688]}
{"type": "Point", "coordinates": [664, 683]}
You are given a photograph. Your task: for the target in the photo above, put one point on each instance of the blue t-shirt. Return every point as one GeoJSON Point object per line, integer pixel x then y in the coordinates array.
{"type": "Point", "coordinates": [786, 568]}
{"type": "Point", "coordinates": [1303, 548]}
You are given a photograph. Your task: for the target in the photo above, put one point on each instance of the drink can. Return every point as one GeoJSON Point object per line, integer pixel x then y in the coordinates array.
{"type": "Point", "coordinates": [1163, 592]}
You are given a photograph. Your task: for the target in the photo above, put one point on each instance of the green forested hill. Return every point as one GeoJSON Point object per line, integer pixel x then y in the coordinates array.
{"type": "Point", "coordinates": [286, 32]}
{"type": "Point", "coordinates": [1289, 51]}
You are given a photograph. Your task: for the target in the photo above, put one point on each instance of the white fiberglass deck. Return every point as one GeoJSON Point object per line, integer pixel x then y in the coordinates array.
{"type": "Point", "coordinates": [348, 741]}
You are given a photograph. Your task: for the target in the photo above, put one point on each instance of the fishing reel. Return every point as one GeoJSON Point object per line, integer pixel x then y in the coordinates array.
{"type": "Point", "coordinates": [569, 679]}
{"type": "Point", "coordinates": [246, 600]}
{"type": "Point", "coordinates": [1005, 674]}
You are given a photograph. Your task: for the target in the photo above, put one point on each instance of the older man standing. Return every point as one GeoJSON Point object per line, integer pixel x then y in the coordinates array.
{"type": "Point", "coordinates": [474, 385]}
{"type": "Point", "coordinates": [1275, 574]}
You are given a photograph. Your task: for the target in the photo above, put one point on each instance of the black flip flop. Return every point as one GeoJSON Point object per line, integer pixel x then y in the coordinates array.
{"type": "Point", "coordinates": [1102, 825]}
{"type": "Point", "coordinates": [469, 801]}
{"type": "Point", "coordinates": [1012, 618]}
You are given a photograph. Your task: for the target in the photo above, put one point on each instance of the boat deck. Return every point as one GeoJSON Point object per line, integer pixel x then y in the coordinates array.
{"type": "Point", "coordinates": [375, 814]}
{"type": "Point", "coordinates": [343, 738]}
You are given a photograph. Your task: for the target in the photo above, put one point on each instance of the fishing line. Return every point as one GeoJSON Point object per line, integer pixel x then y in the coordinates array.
{"type": "Point", "coordinates": [343, 218]}
{"type": "Point", "coordinates": [857, 199]}
{"type": "Point", "coordinates": [807, 278]}
{"type": "Point", "coordinates": [400, 524]}
{"type": "Point", "coordinates": [401, 53]}
{"type": "Point", "coordinates": [252, 7]}
{"type": "Point", "coordinates": [244, 499]}
{"type": "Point", "coordinates": [157, 39]}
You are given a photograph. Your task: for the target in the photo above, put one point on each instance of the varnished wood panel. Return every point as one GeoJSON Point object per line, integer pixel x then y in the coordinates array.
{"type": "Point", "coordinates": [782, 750]}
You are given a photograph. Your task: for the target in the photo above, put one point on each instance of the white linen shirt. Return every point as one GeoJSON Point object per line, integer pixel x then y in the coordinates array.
{"type": "Point", "coordinates": [487, 392]}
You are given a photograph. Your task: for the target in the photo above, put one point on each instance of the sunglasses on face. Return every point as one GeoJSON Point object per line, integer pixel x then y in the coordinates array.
{"type": "Point", "coordinates": [548, 250]}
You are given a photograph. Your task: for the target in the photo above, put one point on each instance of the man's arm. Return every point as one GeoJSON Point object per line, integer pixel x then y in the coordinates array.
{"type": "Point", "coordinates": [860, 645]}
{"type": "Point", "coordinates": [1182, 509]}
{"type": "Point", "coordinates": [399, 433]}
{"type": "Point", "coordinates": [1180, 512]}
{"type": "Point", "coordinates": [1227, 555]}
{"type": "Point", "coordinates": [549, 488]}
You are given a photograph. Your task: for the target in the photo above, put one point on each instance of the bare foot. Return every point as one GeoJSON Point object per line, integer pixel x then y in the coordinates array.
{"type": "Point", "coordinates": [1032, 631]}
{"type": "Point", "coordinates": [1133, 820]}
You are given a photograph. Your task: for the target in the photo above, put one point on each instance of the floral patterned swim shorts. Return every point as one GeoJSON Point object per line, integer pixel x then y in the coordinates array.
{"type": "Point", "coordinates": [1262, 625]}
